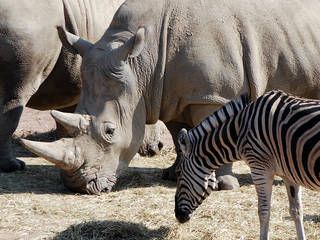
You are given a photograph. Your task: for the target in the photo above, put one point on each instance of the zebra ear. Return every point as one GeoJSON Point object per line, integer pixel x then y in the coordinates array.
{"type": "Point", "coordinates": [183, 140]}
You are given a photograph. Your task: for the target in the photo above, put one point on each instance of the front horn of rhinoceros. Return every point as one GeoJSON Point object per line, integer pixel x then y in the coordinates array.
{"type": "Point", "coordinates": [64, 152]}
{"type": "Point", "coordinates": [69, 155]}
{"type": "Point", "coordinates": [66, 155]}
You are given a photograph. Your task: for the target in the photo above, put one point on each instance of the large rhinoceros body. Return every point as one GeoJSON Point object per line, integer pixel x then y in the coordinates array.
{"type": "Point", "coordinates": [35, 70]}
{"type": "Point", "coordinates": [178, 61]}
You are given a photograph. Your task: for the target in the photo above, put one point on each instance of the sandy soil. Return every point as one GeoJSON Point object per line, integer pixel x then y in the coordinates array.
{"type": "Point", "coordinates": [34, 121]}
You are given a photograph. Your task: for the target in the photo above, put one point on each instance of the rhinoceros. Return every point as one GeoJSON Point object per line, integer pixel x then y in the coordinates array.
{"type": "Point", "coordinates": [35, 70]}
{"type": "Point", "coordinates": [178, 61]}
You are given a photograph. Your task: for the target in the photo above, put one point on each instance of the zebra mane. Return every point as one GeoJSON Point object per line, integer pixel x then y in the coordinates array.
{"type": "Point", "coordinates": [225, 112]}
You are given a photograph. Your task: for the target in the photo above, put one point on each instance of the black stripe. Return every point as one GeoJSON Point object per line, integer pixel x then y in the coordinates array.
{"type": "Point", "coordinates": [255, 110]}
{"type": "Point", "coordinates": [266, 120]}
{"type": "Point", "coordinates": [275, 126]}
{"type": "Point", "coordinates": [234, 137]}
{"type": "Point", "coordinates": [197, 149]}
{"type": "Point", "coordinates": [307, 148]}
{"type": "Point", "coordinates": [216, 154]}
{"type": "Point", "coordinates": [204, 149]}
{"type": "Point", "coordinates": [261, 126]}
{"type": "Point", "coordinates": [257, 144]}
{"type": "Point", "coordinates": [298, 132]}
{"type": "Point", "coordinates": [316, 168]}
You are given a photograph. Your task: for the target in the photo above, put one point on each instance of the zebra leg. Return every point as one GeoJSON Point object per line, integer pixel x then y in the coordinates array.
{"type": "Point", "coordinates": [263, 183]}
{"type": "Point", "coordinates": [295, 207]}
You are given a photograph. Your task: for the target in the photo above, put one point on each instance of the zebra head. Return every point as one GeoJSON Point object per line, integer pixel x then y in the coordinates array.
{"type": "Point", "coordinates": [194, 184]}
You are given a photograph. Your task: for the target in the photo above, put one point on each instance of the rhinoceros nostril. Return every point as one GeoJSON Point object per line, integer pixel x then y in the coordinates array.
{"type": "Point", "coordinates": [106, 190]}
{"type": "Point", "coordinates": [92, 187]}
{"type": "Point", "coordinates": [160, 145]}
{"type": "Point", "coordinates": [151, 152]}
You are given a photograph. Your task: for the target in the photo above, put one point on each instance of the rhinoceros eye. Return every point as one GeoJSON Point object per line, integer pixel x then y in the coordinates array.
{"type": "Point", "coordinates": [109, 130]}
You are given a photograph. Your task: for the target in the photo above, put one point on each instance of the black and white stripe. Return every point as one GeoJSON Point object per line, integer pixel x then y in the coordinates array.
{"type": "Point", "coordinates": [278, 134]}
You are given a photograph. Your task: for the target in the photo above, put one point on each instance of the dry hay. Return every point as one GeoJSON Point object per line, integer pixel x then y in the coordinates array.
{"type": "Point", "coordinates": [35, 205]}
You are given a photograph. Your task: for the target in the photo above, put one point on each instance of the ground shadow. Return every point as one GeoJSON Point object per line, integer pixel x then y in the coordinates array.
{"type": "Point", "coordinates": [307, 218]}
{"type": "Point", "coordinates": [113, 230]}
{"type": "Point", "coordinates": [135, 177]}
{"type": "Point", "coordinates": [44, 179]}
{"type": "Point", "coordinates": [38, 179]}
{"type": "Point", "coordinates": [245, 180]}
{"type": "Point", "coordinates": [312, 218]}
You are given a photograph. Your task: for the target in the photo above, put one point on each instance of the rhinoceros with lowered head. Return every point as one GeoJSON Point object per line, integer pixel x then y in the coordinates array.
{"type": "Point", "coordinates": [35, 70]}
{"type": "Point", "coordinates": [178, 61]}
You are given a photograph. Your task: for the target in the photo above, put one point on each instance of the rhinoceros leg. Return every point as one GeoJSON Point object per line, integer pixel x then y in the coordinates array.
{"type": "Point", "coordinates": [8, 123]}
{"type": "Point", "coordinates": [152, 143]}
{"type": "Point", "coordinates": [226, 178]}
{"type": "Point", "coordinates": [174, 128]}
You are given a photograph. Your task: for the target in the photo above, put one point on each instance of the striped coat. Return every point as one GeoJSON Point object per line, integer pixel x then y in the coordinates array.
{"type": "Point", "coordinates": [278, 134]}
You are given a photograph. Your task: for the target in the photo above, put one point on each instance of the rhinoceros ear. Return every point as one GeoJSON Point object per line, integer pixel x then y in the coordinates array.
{"type": "Point", "coordinates": [138, 44]}
{"type": "Point", "coordinates": [132, 47]}
{"type": "Point", "coordinates": [184, 141]}
{"type": "Point", "coordinates": [72, 42]}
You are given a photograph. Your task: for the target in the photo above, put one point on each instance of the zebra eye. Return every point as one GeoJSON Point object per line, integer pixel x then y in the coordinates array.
{"type": "Point", "coordinates": [178, 169]}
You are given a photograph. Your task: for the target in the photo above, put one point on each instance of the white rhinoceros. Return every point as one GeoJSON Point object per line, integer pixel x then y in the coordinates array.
{"type": "Point", "coordinates": [35, 70]}
{"type": "Point", "coordinates": [178, 61]}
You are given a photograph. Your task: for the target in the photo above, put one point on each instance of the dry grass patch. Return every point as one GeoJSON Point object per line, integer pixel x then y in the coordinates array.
{"type": "Point", "coordinates": [35, 205]}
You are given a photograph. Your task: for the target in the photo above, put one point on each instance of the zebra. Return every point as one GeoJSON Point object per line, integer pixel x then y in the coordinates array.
{"type": "Point", "coordinates": [277, 134]}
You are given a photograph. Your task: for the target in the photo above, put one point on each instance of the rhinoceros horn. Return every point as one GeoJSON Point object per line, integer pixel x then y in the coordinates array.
{"type": "Point", "coordinates": [61, 152]}
{"type": "Point", "coordinates": [73, 122]}
{"type": "Point", "coordinates": [73, 42]}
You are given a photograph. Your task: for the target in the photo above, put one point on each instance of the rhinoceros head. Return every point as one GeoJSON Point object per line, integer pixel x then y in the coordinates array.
{"type": "Point", "coordinates": [109, 122]}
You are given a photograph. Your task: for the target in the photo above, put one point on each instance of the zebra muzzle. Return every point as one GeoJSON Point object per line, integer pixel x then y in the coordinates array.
{"type": "Point", "coordinates": [183, 215]}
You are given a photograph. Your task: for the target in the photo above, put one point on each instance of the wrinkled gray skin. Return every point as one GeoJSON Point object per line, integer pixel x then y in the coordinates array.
{"type": "Point", "coordinates": [151, 144]}
{"type": "Point", "coordinates": [188, 59]}
{"type": "Point", "coordinates": [35, 70]}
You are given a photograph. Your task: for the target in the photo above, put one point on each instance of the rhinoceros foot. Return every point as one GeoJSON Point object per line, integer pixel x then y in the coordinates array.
{"type": "Point", "coordinates": [150, 149]}
{"type": "Point", "coordinates": [169, 174]}
{"type": "Point", "coordinates": [11, 165]}
{"type": "Point", "coordinates": [227, 182]}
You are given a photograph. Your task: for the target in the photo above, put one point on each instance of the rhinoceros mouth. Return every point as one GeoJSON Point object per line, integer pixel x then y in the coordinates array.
{"type": "Point", "coordinates": [102, 184]}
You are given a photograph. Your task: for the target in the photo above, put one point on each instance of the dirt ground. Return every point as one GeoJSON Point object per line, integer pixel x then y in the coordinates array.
{"type": "Point", "coordinates": [34, 121]}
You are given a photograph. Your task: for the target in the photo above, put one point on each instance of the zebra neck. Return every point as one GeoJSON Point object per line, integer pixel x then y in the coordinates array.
{"type": "Point", "coordinates": [215, 145]}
